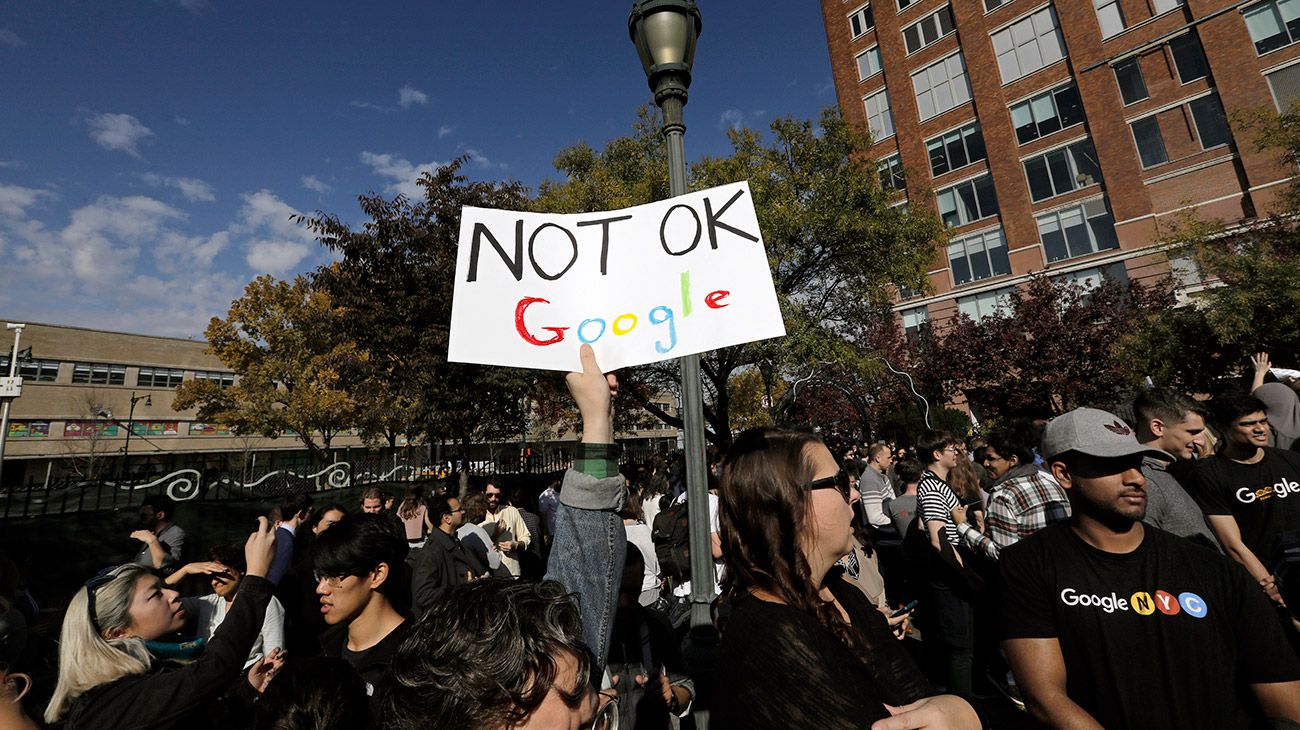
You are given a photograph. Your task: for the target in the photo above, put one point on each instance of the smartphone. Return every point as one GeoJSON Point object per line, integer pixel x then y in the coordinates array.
{"type": "Point", "coordinates": [905, 609]}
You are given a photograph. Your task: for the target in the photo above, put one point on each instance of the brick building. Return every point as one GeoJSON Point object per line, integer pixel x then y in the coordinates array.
{"type": "Point", "coordinates": [1061, 136]}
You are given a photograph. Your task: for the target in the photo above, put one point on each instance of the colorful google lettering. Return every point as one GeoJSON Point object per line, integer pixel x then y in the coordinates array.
{"type": "Point", "coordinates": [624, 323]}
{"type": "Point", "coordinates": [1142, 603]}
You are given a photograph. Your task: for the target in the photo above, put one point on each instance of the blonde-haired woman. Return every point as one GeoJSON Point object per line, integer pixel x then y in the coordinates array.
{"type": "Point", "coordinates": [108, 679]}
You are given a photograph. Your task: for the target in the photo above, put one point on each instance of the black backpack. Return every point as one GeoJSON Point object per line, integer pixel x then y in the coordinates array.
{"type": "Point", "coordinates": [672, 538]}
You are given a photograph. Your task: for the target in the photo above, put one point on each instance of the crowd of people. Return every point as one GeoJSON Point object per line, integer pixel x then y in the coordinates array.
{"type": "Point", "coordinates": [1137, 566]}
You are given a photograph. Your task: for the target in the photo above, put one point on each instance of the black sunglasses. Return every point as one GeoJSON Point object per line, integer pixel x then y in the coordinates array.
{"type": "Point", "coordinates": [100, 579]}
{"type": "Point", "coordinates": [840, 482]}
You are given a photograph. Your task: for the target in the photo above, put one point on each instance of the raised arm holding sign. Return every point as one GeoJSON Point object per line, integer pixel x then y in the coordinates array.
{"type": "Point", "coordinates": [640, 285]}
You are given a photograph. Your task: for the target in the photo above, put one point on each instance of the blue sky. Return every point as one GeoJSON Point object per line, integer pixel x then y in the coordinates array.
{"type": "Point", "coordinates": [151, 152]}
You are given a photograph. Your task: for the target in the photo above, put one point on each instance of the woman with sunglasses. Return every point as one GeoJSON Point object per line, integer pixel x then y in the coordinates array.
{"type": "Point", "coordinates": [801, 649]}
{"type": "Point", "coordinates": [107, 677]}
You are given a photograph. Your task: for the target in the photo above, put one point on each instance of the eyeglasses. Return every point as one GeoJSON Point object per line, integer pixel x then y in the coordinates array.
{"type": "Point", "coordinates": [840, 482]}
{"type": "Point", "coordinates": [333, 582]}
{"type": "Point", "coordinates": [607, 716]}
{"type": "Point", "coordinates": [101, 579]}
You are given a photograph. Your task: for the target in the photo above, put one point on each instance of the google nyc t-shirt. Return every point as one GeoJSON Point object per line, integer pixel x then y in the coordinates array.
{"type": "Point", "coordinates": [1164, 636]}
{"type": "Point", "coordinates": [1264, 497]}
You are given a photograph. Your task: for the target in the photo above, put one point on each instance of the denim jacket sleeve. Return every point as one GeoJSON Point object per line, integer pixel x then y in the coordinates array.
{"type": "Point", "coordinates": [590, 546]}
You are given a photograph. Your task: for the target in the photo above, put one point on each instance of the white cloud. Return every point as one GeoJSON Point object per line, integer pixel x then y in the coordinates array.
{"type": "Point", "coordinates": [276, 243]}
{"type": "Point", "coordinates": [402, 171]}
{"type": "Point", "coordinates": [182, 121]}
{"type": "Point", "coordinates": [408, 95]}
{"type": "Point", "coordinates": [194, 6]}
{"type": "Point", "coordinates": [11, 39]}
{"type": "Point", "coordinates": [313, 183]}
{"type": "Point", "coordinates": [731, 119]}
{"type": "Point", "coordinates": [12, 164]}
{"type": "Point", "coordinates": [118, 132]}
{"type": "Point", "coordinates": [192, 189]}
{"type": "Point", "coordinates": [445, 130]}
{"type": "Point", "coordinates": [481, 160]}
{"type": "Point", "coordinates": [129, 264]}
{"type": "Point", "coordinates": [15, 200]}
{"type": "Point", "coordinates": [375, 107]}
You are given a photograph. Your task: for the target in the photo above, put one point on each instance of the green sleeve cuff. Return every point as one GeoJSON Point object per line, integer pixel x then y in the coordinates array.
{"type": "Point", "coordinates": [597, 460]}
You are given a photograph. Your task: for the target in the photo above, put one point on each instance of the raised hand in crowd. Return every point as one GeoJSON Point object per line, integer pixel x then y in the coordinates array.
{"type": "Point", "coordinates": [265, 669]}
{"type": "Point", "coordinates": [1260, 362]}
{"type": "Point", "coordinates": [259, 550]}
{"type": "Point", "coordinates": [206, 567]}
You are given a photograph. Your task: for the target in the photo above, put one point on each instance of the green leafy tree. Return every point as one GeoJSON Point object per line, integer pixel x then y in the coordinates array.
{"type": "Point", "coordinates": [392, 283]}
{"type": "Point", "coordinates": [833, 242]}
{"type": "Point", "coordinates": [282, 339]}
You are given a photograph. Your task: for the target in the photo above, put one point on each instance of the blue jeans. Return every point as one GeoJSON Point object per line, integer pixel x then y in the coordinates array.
{"type": "Point", "coordinates": [588, 551]}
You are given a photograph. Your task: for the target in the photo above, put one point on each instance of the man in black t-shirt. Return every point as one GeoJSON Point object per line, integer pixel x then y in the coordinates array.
{"type": "Point", "coordinates": [1250, 492]}
{"type": "Point", "coordinates": [1112, 623]}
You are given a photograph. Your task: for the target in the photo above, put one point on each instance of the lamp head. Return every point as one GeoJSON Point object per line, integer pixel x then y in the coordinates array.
{"type": "Point", "coordinates": [665, 32]}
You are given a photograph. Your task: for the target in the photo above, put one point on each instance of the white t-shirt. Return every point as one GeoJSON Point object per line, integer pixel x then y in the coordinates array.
{"type": "Point", "coordinates": [211, 611]}
{"type": "Point", "coordinates": [639, 535]}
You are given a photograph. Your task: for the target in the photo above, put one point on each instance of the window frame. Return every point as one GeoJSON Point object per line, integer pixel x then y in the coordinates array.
{"type": "Point", "coordinates": [1071, 150]}
{"type": "Point", "coordinates": [965, 241]}
{"type": "Point", "coordinates": [964, 131]}
{"type": "Point", "coordinates": [223, 379]}
{"type": "Point", "coordinates": [888, 111]}
{"type": "Point", "coordinates": [1009, 32]}
{"type": "Point", "coordinates": [1196, 124]}
{"type": "Point", "coordinates": [1053, 93]}
{"type": "Point", "coordinates": [168, 377]}
{"type": "Point", "coordinates": [1082, 208]}
{"type": "Point", "coordinates": [974, 183]}
{"type": "Point", "coordinates": [1098, 5]}
{"type": "Point", "coordinates": [937, 25]}
{"type": "Point", "coordinates": [869, 16]}
{"type": "Point", "coordinates": [1275, 5]}
{"type": "Point", "coordinates": [1001, 298]}
{"type": "Point", "coordinates": [1164, 150]}
{"type": "Point", "coordinates": [1173, 54]}
{"type": "Point", "coordinates": [879, 64]}
{"type": "Point", "coordinates": [930, 89]}
{"type": "Point", "coordinates": [39, 370]}
{"type": "Point", "coordinates": [1135, 63]}
{"type": "Point", "coordinates": [891, 167]}
{"type": "Point", "coordinates": [112, 374]}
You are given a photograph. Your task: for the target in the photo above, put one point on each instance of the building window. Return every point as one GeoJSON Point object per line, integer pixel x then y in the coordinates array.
{"type": "Point", "coordinates": [1211, 125]}
{"type": "Point", "coordinates": [929, 29]}
{"type": "Point", "coordinates": [1077, 230]}
{"type": "Point", "coordinates": [1062, 171]}
{"type": "Point", "coordinates": [1092, 278]}
{"type": "Point", "coordinates": [32, 371]}
{"type": "Point", "coordinates": [1046, 113]}
{"type": "Point", "coordinates": [1285, 84]}
{"type": "Point", "coordinates": [978, 257]}
{"type": "Point", "coordinates": [869, 63]}
{"type": "Point", "coordinates": [1109, 17]}
{"type": "Point", "coordinates": [891, 173]}
{"type": "Point", "coordinates": [1128, 74]}
{"type": "Point", "coordinates": [979, 306]}
{"type": "Point", "coordinates": [1189, 59]}
{"type": "Point", "coordinates": [902, 4]}
{"type": "Point", "coordinates": [1149, 141]}
{"type": "Point", "coordinates": [968, 201]}
{"type": "Point", "coordinates": [99, 374]}
{"type": "Point", "coordinates": [914, 320]}
{"type": "Point", "coordinates": [879, 118]}
{"type": "Point", "coordinates": [941, 86]}
{"type": "Point", "coordinates": [860, 21]}
{"type": "Point", "coordinates": [956, 149]}
{"type": "Point", "coordinates": [1028, 44]}
{"type": "Point", "coordinates": [994, 4]}
{"type": "Point", "coordinates": [159, 378]}
{"type": "Point", "coordinates": [907, 292]}
{"type": "Point", "coordinates": [1273, 24]}
{"type": "Point", "coordinates": [1159, 7]}
{"type": "Point", "coordinates": [225, 380]}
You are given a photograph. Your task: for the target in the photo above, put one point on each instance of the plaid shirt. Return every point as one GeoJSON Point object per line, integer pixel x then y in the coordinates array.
{"type": "Point", "coordinates": [1021, 506]}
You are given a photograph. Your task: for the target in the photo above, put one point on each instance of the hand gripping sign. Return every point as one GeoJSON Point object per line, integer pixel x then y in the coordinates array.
{"type": "Point", "coordinates": [640, 285]}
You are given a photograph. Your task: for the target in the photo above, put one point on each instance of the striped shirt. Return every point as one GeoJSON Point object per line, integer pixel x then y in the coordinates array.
{"type": "Point", "coordinates": [935, 501]}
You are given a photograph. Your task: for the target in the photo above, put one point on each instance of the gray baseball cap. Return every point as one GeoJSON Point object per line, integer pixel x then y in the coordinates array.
{"type": "Point", "coordinates": [1095, 433]}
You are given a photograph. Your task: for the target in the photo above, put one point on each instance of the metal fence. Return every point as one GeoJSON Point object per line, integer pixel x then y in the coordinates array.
{"type": "Point", "coordinates": [73, 494]}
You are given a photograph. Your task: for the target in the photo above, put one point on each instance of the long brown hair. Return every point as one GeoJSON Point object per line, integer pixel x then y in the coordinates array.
{"type": "Point", "coordinates": [763, 510]}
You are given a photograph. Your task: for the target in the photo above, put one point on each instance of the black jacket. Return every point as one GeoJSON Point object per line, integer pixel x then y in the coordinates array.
{"type": "Point", "coordinates": [175, 696]}
{"type": "Point", "coordinates": [440, 564]}
{"type": "Point", "coordinates": [372, 664]}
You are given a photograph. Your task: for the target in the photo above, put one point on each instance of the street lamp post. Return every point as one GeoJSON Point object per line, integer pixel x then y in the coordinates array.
{"type": "Point", "coordinates": [4, 407]}
{"type": "Point", "coordinates": [665, 32]}
{"type": "Point", "coordinates": [130, 424]}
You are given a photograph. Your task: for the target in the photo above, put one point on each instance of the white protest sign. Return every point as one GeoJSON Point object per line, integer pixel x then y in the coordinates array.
{"type": "Point", "coordinates": [640, 285]}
